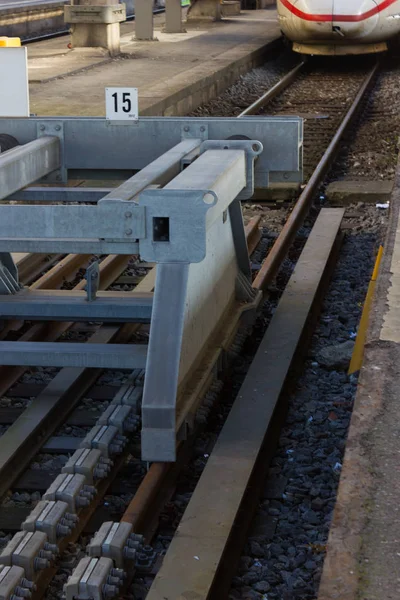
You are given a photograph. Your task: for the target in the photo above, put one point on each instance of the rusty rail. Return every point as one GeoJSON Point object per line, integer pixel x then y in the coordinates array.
{"type": "Point", "coordinates": [300, 210]}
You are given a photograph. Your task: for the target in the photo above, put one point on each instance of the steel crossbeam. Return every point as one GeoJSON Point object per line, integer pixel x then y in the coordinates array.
{"type": "Point", "coordinates": [28, 163]}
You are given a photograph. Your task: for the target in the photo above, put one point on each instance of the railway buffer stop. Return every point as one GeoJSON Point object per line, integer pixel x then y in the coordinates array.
{"type": "Point", "coordinates": [179, 208]}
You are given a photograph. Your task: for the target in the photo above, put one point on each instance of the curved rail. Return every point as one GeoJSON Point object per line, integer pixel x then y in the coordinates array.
{"type": "Point", "coordinates": [281, 85]}
{"type": "Point", "coordinates": [296, 218]}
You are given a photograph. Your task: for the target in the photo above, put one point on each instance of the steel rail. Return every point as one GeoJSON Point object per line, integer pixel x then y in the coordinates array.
{"type": "Point", "coordinates": [282, 244]}
{"type": "Point", "coordinates": [276, 89]}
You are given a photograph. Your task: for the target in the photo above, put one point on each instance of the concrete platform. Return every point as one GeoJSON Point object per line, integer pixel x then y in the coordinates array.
{"type": "Point", "coordinates": [174, 75]}
{"type": "Point", "coordinates": [347, 192]}
{"type": "Point", "coordinates": [363, 552]}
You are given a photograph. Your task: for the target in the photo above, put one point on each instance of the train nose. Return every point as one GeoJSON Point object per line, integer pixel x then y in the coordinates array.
{"type": "Point", "coordinates": [333, 20]}
{"type": "Point", "coordinates": [353, 19]}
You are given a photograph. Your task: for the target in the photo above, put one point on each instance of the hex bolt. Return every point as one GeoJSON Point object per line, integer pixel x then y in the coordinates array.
{"type": "Point", "coordinates": [23, 592]}
{"type": "Point", "coordinates": [58, 127]}
{"type": "Point", "coordinates": [202, 128]}
{"type": "Point", "coordinates": [63, 530]}
{"type": "Point", "coordinates": [71, 517]}
{"type": "Point", "coordinates": [116, 448]}
{"type": "Point", "coordinates": [128, 214]}
{"type": "Point", "coordinates": [120, 573]}
{"type": "Point", "coordinates": [26, 583]}
{"type": "Point", "coordinates": [51, 547]}
{"type": "Point", "coordinates": [109, 591]}
{"type": "Point", "coordinates": [186, 128]}
{"type": "Point", "coordinates": [128, 232]}
{"type": "Point", "coordinates": [42, 127]}
{"type": "Point", "coordinates": [89, 489]}
{"type": "Point", "coordinates": [81, 502]}
{"type": "Point", "coordinates": [113, 580]}
{"type": "Point", "coordinates": [46, 554]}
{"type": "Point", "coordinates": [40, 563]}
{"type": "Point", "coordinates": [99, 473]}
{"type": "Point", "coordinates": [129, 553]}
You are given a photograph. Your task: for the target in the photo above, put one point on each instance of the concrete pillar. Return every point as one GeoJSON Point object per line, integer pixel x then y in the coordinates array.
{"type": "Point", "coordinates": [144, 20]}
{"type": "Point", "coordinates": [204, 9]}
{"type": "Point", "coordinates": [173, 16]}
{"type": "Point", "coordinates": [101, 35]}
{"type": "Point", "coordinates": [95, 24]}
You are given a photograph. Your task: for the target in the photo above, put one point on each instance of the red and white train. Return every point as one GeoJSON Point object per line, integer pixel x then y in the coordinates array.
{"type": "Point", "coordinates": [338, 27]}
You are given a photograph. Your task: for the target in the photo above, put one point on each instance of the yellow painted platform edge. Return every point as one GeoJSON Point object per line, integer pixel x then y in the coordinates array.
{"type": "Point", "coordinates": [358, 352]}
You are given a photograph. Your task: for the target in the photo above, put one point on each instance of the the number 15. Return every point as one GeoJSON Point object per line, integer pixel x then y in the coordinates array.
{"type": "Point", "coordinates": [126, 102]}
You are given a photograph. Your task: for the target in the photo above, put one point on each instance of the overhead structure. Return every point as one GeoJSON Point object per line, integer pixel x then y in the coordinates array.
{"type": "Point", "coordinates": [181, 210]}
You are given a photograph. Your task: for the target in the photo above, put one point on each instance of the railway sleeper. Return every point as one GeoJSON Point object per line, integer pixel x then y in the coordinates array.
{"type": "Point", "coordinates": [13, 583]}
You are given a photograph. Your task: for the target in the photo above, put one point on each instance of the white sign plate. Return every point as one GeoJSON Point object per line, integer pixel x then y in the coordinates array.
{"type": "Point", "coordinates": [14, 90]}
{"type": "Point", "coordinates": [122, 104]}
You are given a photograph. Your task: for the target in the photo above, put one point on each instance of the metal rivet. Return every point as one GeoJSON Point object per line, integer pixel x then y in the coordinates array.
{"type": "Point", "coordinates": [202, 128]}
{"type": "Point", "coordinates": [42, 128]}
{"type": "Point", "coordinates": [128, 215]}
{"type": "Point", "coordinates": [58, 127]}
{"type": "Point", "coordinates": [186, 128]}
{"type": "Point", "coordinates": [128, 232]}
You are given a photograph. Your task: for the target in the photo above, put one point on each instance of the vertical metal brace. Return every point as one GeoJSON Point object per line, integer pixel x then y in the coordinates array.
{"type": "Point", "coordinates": [92, 281]}
{"type": "Point", "coordinates": [252, 148]}
{"type": "Point", "coordinates": [8, 274]}
{"type": "Point", "coordinates": [55, 129]}
{"type": "Point", "coordinates": [162, 369]}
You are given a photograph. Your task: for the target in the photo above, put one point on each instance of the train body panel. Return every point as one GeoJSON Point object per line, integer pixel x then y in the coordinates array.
{"type": "Point", "coordinates": [339, 26]}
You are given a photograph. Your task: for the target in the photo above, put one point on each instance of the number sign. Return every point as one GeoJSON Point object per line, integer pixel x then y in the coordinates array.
{"type": "Point", "coordinates": [122, 104]}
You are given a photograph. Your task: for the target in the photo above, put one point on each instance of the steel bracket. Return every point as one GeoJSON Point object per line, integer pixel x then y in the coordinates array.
{"type": "Point", "coordinates": [191, 129]}
{"type": "Point", "coordinates": [252, 148]}
{"type": "Point", "coordinates": [54, 128]}
{"type": "Point", "coordinates": [92, 281]}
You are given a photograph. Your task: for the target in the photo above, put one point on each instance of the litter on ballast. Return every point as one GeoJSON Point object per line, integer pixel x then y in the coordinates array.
{"type": "Point", "coordinates": [385, 205]}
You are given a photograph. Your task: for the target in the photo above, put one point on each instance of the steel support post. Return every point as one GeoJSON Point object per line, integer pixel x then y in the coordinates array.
{"type": "Point", "coordinates": [197, 295]}
{"type": "Point", "coordinates": [173, 16]}
{"type": "Point", "coordinates": [25, 164]}
{"type": "Point", "coordinates": [162, 369]}
{"type": "Point", "coordinates": [239, 237]}
{"type": "Point", "coordinates": [144, 20]}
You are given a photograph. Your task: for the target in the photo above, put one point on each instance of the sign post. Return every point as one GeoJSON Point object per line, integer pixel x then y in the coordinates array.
{"type": "Point", "coordinates": [14, 89]}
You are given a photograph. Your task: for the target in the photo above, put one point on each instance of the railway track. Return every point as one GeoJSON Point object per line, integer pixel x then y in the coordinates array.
{"type": "Point", "coordinates": [38, 423]}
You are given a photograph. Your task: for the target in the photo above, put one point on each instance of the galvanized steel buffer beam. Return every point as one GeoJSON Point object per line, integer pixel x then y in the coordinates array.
{"type": "Point", "coordinates": [192, 228]}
